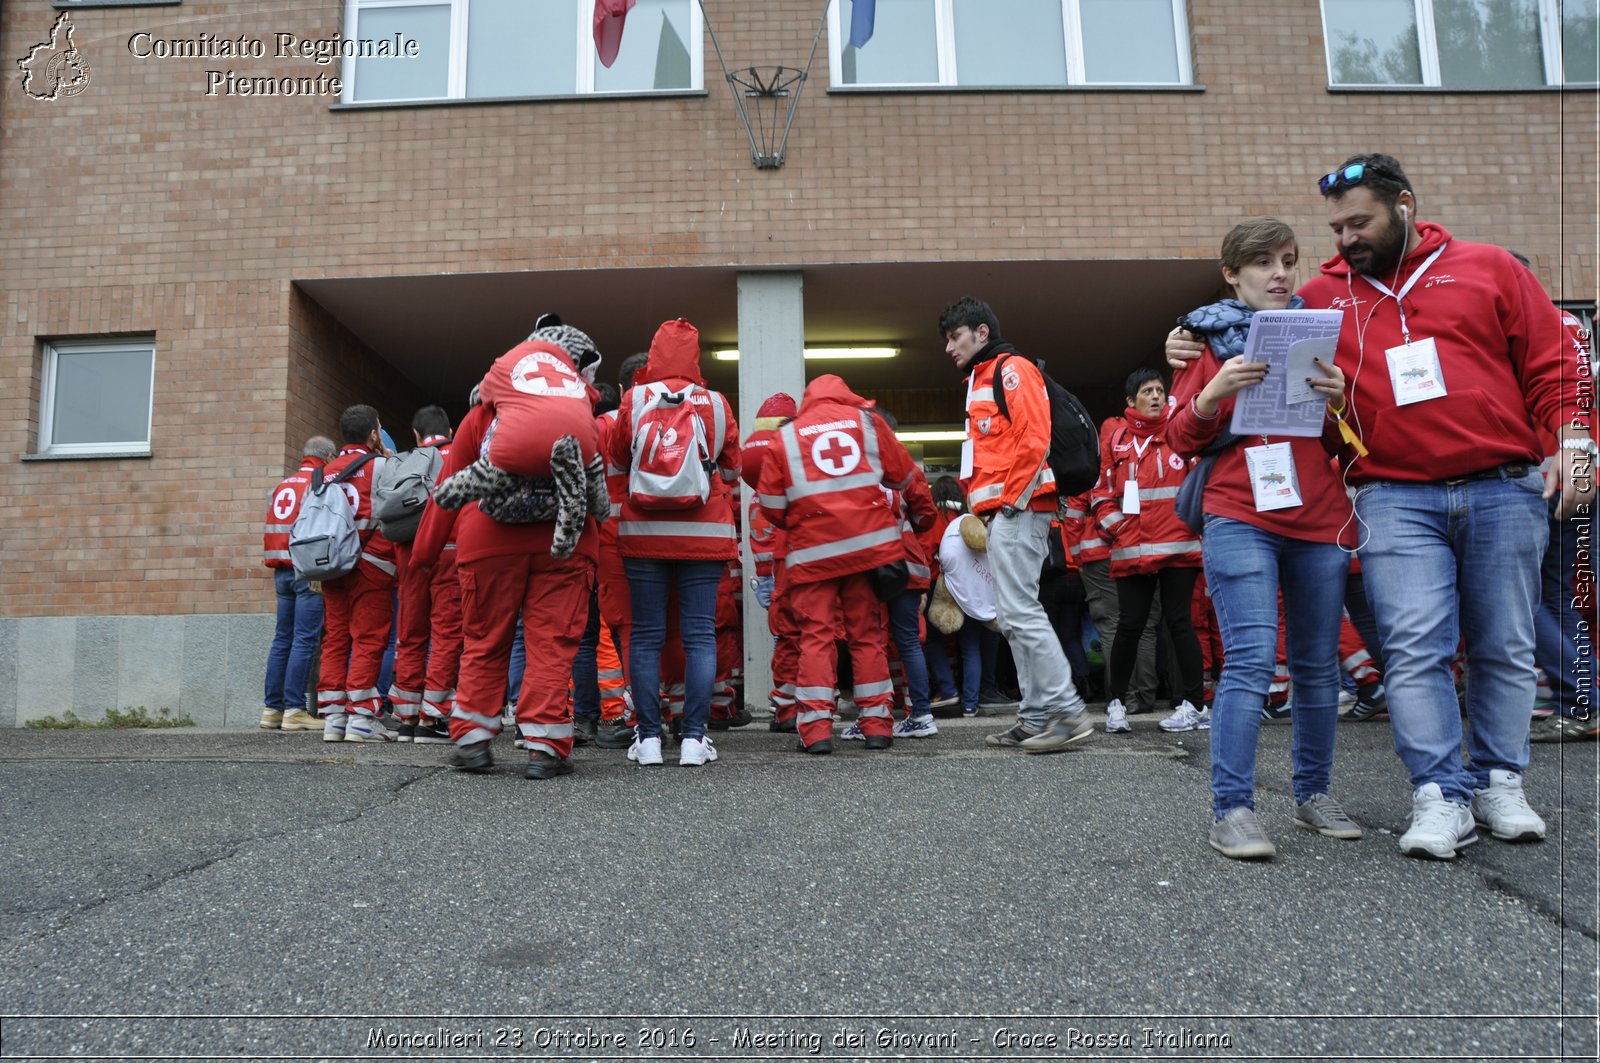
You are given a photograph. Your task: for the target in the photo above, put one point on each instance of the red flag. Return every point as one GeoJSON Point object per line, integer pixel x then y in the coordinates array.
{"type": "Point", "coordinates": [608, 19]}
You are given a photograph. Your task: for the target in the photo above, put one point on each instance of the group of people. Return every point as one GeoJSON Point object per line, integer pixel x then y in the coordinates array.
{"type": "Point", "coordinates": [584, 520]}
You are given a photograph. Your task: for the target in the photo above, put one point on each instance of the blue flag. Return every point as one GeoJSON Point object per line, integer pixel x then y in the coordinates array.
{"type": "Point", "coordinates": [862, 15]}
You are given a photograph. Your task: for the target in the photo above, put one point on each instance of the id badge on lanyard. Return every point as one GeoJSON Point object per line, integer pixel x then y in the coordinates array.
{"type": "Point", "coordinates": [1272, 477]}
{"type": "Point", "coordinates": [1130, 490]}
{"type": "Point", "coordinates": [1414, 370]}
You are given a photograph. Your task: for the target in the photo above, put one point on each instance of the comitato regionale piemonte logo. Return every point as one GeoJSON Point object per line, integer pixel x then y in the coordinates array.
{"type": "Point", "coordinates": [55, 68]}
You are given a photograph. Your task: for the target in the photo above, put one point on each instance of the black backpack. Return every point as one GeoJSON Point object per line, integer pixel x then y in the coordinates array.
{"type": "Point", "coordinates": [1074, 454]}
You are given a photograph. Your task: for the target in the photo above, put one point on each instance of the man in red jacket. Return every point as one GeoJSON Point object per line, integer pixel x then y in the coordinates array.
{"type": "Point", "coordinates": [1453, 353]}
{"type": "Point", "coordinates": [299, 626]}
{"type": "Point", "coordinates": [427, 654]}
{"type": "Point", "coordinates": [358, 606]}
{"type": "Point", "coordinates": [822, 483]}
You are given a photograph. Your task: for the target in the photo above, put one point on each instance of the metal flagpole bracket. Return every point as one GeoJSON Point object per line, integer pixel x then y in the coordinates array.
{"type": "Point", "coordinates": [767, 97]}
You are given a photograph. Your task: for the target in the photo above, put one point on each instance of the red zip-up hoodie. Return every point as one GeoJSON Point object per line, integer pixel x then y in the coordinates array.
{"type": "Point", "coordinates": [1500, 344]}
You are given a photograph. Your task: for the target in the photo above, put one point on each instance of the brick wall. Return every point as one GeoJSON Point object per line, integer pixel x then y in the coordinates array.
{"type": "Point", "coordinates": [143, 205]}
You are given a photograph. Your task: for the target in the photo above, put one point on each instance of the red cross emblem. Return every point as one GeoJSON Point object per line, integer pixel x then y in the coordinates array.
{"type": "Point", "coordinates": [835, 453]}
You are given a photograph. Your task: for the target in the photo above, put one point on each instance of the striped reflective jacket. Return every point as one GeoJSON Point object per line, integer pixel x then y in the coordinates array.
{"type": "Point", "coordinates": [1154, 538]}
{"type": "Point", "coordinates": [281, 512]}
{"type": "Point", "coordinates": [1008, 451]}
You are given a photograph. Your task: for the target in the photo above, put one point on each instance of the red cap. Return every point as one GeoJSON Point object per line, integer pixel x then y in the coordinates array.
{"type": "Point", "coordinates": [779, 405]}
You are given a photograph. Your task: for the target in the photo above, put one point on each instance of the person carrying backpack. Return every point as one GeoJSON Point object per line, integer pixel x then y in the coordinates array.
{"type": "Point", "coordinates": [358, 606]}
{"type": "Point", "coordinates": [1012, 487]}
{"type": "Point", "coordinates": [680, 444]}
{"type": "Point", "coordinates": [299, 618]}
{"type": "Point", "coordinates": [428, 622]}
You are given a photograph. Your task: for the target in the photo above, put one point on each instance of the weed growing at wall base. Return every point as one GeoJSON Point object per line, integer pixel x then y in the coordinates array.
{"type": "Point", "coordinates": [115, 718]}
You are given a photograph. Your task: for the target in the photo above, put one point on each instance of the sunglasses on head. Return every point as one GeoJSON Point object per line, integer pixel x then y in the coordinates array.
{"type": "Point", "coordinates": [1347, 177]}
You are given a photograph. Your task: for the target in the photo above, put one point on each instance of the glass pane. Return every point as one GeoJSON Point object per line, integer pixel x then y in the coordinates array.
{"type": "Point", "coordinates": [904, 49]}
{"type": "Point", "coordinates": [654, 52]}
{"type": "Point", "coordinates": [101, 397]}
{"type": "Point", "coordinates": [1488, 44]}
{"type": "Point", "coordinates": [1580, 41]}
{"type": "Point", "coordinates": [1009, 42]}
{"type": "Point", "coordinates": [515, 48]}
{"type": "Point", "coordinates": [1129, 42]}
{"type": "Point", "coordinates": [425, 76]}
{"type": "Point", "coordinates": [1372, 42]}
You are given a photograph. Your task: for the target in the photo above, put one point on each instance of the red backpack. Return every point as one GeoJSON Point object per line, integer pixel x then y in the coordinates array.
{"type": "Point", "coordinates": [672, 461]}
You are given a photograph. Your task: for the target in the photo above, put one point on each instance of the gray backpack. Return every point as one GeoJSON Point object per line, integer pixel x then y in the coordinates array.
{"type": "Point", "coordinates": [401, 491]}
{"type": "Point", "coordinates": [324, 542]}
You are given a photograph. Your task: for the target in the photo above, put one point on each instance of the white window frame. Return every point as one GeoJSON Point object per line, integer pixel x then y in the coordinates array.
{"type": "Point", "coordinates": [1428, 45]}
{"type": "Point", "coordinates": [53, 349]}
{"type": "Point", "coordinates": [456, 84]}
{"type": "Point", "coordinates": [1072, 40]}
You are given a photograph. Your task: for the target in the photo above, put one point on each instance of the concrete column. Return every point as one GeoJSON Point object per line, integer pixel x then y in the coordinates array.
{"type": "Point", "coordinates": [771, 342]}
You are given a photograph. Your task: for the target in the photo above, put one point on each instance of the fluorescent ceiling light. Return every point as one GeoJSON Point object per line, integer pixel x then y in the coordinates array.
{"type": "Point", "coordinates": [938, 436]}
{"type": "Point", "coordinates": [824, 353]}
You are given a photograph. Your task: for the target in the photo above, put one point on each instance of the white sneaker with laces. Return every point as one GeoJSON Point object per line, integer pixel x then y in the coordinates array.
{"type": "Point", "coordinates": [916, 727]}
{"type": "Point", "coordinates": [362, 728]}
{"type": "Point", "coordinates": [1187, 718]}
{"type": "Point", "coordinates": [1504, 810]}
{"type": "Point", "coordinates": [645, 751]}
{"type": "Point", "coordinates": [852, 734]}
{"type": "Point", "coordinates": [1117, 718]}
{"type": "Point", "coordinates": [333, 726]}
{"type": "Point", "coordinates": [695, 752]}
{"type": "Point", "coordinates": [1439, 828]}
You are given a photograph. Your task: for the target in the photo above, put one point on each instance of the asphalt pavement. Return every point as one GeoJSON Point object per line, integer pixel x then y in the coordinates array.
{"type": "Point", "coordinates": [209, 894]}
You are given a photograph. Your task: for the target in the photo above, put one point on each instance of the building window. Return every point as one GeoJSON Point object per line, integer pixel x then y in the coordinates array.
{"type": "Point", "coordinates": [498, 49]}
{"type": "Point", "coordinates": [1461, 44]}
{"type": "Point", "coordinates": [1014, 44]}
{"type": "Point", "coordinates": [96, 397]}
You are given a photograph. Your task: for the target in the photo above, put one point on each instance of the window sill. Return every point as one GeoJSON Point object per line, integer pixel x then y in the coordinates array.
{"type": "Point", "coordinates": [1444, 90]}
{"type": "Point", "coordinates": [67, 5]}
{"type": "Point", "coordinates": [89, 455]}
{"type": "Point", "coordinates": [495, 101]}
{"type": "Point", "coordinates": [874, 90]}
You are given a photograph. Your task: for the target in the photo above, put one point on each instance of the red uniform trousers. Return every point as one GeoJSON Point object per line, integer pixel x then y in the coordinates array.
{"type": "Point", "coordinates": [553, 598]}
{"type": "Point", "coordinates": [1208, 632]}
{"type": "Point", "coordinates": [616, 605]}
{"type": "Point", "coordinates": [728, 649]}
{"type": "Point", "coordinates": [427, 653]}
{"type": "Point", "coordinates": [785, 628]}
{"type": "Point", "coordinates": [358, 609]}
{"type": "Point", "coordinates": [1353, 656]}
{"type": "Point", "coordinates": [817, 606]}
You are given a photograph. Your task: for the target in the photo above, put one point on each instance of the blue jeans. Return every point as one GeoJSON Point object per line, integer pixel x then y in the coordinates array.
{"type": "Point", "coordinates": [518, 665]}
{"type": "Point", "coordinates": [940, 677]}
{"type": "Point", "coordinates": [1443, 562]}
{"type": "Point", "coordinates": [294, 641]}
{"type": "Point", "coordinates": [586, 667]}
{"type": "Point", "coordinates": [904, 613]}
{"type": "Point", "coordinates": [1245, 567]}
{"type": "Point", "coordinates": [650, 585]}
{"type": "Point", "coordinates": [1561, 645]}
{"type": "Point", "coordinates": [979, 647]}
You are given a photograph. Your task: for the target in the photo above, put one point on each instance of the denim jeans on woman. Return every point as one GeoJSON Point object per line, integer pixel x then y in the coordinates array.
{"type": "Point", "coordinates": [651, 582]}
{"type": "Point", "coordinates": [294, 641]}
{"type": "Point", "coordinates": [1449, 561]}
{"type": "Point", "coordinates": [1246, 567]}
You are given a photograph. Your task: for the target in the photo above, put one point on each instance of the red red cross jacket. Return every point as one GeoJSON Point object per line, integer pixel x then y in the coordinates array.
{"type": "Point", "coordinates": [822, 483]}
{"type": "Point", "coordinates": [374, 547]}
{"type": "Point", "coordinates": [282, 510]}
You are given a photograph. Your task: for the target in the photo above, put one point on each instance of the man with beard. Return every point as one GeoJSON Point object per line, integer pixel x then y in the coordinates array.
{"type": "Point", "coordinates": [1453, 352]}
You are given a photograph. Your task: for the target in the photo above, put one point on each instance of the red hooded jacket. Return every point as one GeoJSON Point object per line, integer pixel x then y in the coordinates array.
{"type": "Point", "coordinates": [702, 533]}
{"type": "Point", "coordinates": [1500, 344]}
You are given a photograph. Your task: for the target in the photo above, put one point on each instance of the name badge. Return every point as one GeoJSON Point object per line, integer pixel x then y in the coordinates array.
{"type": "Point", "coordinates": [966, 460]}
{"type": "Point", "coordinates": [1414, 372]}
{"type": "Point", "coordinates": [1272, 477]}
{"type": "Point", "coordinates": [1130, 498]}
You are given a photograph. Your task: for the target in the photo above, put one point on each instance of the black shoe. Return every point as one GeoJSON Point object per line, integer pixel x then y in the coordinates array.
{"type": "Point", "coordinates": [474, 757]}
{"type": "Point", "coordinates": [542, 765]}
{"type": "Point", "coordinates": [614, 735]}
{"type": "Point", "coordinates": [407, 732]}
{"type": "Point", "coordinates": [817, 749]}
{"type": "Point", "coordinates": [879, 741]}
{"type": "Point", "coordinates": [584, 730]}
{"type": "Point", "coordinates": [778, 726]}
{"type": "Point", "coordinates": [432, 732]}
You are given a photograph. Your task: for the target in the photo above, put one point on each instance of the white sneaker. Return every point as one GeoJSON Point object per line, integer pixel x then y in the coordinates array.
{"type": "Point", "coordinates": [366, 729]}
{"type": "Point", "coordinates": [1187, 718]}
{"type": "Point", "coordinates": [916, 727]}
{"type": "Point", "coordinates": [333, 726]}
{"type": "Point", "coordinates": [852, 734]}
{"type": "Point", "coordinates": [1504, 810]}
{"type": "Point", "coordinates": [645, 751]}
{"type": "Point", "coordinates": [1439, 828]}
{"type": "Point", "coordinates": [695, 752]}
{"type": "Point", "coordinates": [1347, 701]}
{"type": "Point", "coordinates": [1117, 718]}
